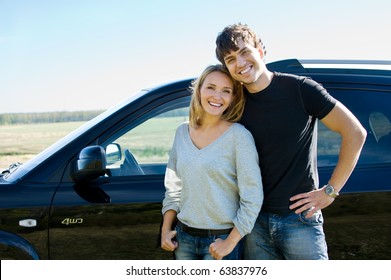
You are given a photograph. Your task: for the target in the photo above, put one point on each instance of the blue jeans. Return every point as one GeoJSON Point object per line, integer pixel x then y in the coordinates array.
{"type": "Point", "coordinates": [290, 237]}
{"type": "Point", "coordinates": [191, 247]}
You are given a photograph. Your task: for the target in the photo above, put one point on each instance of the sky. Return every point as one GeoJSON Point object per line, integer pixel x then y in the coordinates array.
{"type": "Point", "coordinates": [72, 55]}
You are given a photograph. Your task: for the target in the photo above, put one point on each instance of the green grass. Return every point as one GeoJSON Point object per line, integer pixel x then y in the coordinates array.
{"type": "Point", "coordinates": [152, 140]}
{"type": "Point", "coordinates": [23, 141]}
{"type": "Point", "coordinates": [149, 142]}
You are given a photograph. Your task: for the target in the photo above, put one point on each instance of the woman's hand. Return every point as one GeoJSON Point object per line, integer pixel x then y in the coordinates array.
{"type": "Point", "coordinates": [167, 242]}
{"type": "Point", "coordinates": [221, 248]}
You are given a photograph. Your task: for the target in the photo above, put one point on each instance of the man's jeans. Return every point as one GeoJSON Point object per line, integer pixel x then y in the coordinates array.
{"type": "Point", "coordinates": [192, 247]}
{"type": "Point", "coordinates": [290, 237]}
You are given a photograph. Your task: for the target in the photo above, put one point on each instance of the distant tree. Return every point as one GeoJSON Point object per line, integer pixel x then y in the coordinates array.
{"type": "Point", "coordinates": [47, 117]}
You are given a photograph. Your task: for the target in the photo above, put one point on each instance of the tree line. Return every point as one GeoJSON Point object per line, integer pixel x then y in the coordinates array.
{"type": "Point", "coordinates": [56, 117]}
{"type": "Point", "coordinates": [47, 117]}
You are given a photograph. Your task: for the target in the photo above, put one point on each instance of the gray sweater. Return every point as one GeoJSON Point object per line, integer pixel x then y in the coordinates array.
{"type": "Point", "coordinates": [218, 186]}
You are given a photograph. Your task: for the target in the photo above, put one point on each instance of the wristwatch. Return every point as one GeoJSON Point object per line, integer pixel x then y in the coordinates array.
{"type": "Point", "coordinates": [330, 191]}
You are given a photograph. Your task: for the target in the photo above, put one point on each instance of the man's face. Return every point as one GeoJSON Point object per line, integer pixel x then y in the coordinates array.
{"type": "Point", "coordinates": [245, 64]}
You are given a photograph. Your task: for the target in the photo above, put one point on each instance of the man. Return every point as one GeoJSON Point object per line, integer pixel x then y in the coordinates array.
{"type": "Point", "coordinates": [281, 112]}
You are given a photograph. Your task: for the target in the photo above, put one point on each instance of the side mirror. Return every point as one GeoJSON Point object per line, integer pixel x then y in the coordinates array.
{"type": "Point", "coordinates": [113, 153]}
{"type": "Point", "coordinates": [90, 165]}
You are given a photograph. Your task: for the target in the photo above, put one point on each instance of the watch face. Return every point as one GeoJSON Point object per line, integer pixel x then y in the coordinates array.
{"type": "Point", "coordinates": [329, 190]}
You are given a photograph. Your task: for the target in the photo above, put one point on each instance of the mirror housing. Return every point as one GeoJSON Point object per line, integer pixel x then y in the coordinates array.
{"type": "Point", "coordinates": [90, 165]}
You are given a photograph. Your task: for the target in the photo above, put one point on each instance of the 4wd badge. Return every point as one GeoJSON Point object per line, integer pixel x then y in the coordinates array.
{"type": "Point", "coordinates": [68, 221]}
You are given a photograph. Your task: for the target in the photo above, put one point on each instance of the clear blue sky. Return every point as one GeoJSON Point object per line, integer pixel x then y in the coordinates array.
{"type": "Point", "coordinates": [91, 54]}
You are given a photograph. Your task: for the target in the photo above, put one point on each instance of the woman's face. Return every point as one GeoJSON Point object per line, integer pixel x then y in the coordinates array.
{"type": "Point", "coordinates": [216, 93]}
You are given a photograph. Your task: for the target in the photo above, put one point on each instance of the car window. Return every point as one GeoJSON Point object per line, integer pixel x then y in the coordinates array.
{"type": "Point", "coordinates": [380, 126]}
{"type": "Point", "coordinates": [329, 143]}
{"type": "Point", "coordinates": [144, 149]}
{"type": "Point", "coordinates": [373, 111]}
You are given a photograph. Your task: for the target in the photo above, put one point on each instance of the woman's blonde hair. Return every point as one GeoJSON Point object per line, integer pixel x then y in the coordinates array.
{"type": "Point", "coordinates": [234, 111]}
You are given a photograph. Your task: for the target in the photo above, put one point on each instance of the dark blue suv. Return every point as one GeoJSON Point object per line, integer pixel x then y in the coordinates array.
{"type": "Point", "coordinates": [97, 193]}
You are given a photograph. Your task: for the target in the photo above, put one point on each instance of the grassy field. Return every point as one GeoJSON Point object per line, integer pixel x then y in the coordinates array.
{"type": "Point", "coordinates": [149, 142]}
{"type": "Point", "coordinates": [19, 143]}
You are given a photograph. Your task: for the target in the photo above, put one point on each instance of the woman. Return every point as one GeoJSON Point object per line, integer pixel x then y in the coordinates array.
{"type": "Point", "coordinates": [213, 182]}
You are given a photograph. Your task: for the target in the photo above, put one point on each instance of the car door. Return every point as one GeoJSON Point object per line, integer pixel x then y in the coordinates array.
{"type": "Point", "coordinates": [358, 223]}
{"type": "Point", "coordinates": [118, 216]}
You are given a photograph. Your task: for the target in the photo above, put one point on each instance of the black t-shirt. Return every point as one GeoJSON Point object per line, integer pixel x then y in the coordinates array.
{"type": "Point", "coordinates": [283, 120]}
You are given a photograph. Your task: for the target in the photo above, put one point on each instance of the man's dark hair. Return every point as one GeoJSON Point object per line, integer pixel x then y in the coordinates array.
{"type": "Point", "coordinates": [227, 40]}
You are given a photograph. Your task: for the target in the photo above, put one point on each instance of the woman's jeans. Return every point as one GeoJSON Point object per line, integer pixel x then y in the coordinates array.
{"type": "Point", "coordinates": [290, 237]}
{"type": "Point", "coordinates": [191, 247]}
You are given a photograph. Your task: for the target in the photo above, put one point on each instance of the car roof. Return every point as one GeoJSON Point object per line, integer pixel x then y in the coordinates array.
{"type": "Point", "coordinates": [335, 66]}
